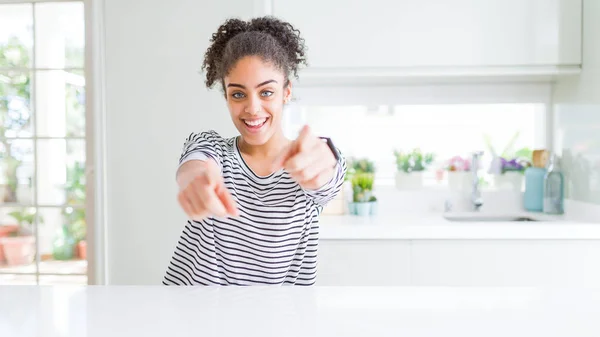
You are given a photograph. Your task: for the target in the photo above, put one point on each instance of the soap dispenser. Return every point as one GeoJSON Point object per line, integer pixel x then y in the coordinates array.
{"type": "Point", "coordinates": [533, 198]}
{"type": "Point", "coordinates": [554, 183]}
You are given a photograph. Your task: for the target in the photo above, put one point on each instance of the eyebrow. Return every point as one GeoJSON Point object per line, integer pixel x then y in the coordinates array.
{"type": "Point", "coordinates": [258, 86]}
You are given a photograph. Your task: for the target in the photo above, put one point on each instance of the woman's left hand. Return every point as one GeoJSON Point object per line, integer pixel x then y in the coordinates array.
{"type": "Point", "coordinates": [308, 160]}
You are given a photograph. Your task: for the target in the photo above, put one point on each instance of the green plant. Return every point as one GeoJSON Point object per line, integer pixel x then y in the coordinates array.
{"type": "Point", "coordinates": [362, 165]}
{"type": "Point", "coordinates": [509, 160]}
{"type": "Point", "coordinates": [74, 228]}
{"type": "Point", "coordinates": [11, 165]}
{"type": "Point", "coordinates": [75, 220]}
{"type": "Point", "coordinates": [74, 215]}
{"type": "Point", "coordinates": [15, 111]}
{"type": "Point", "coordinates": [362, 186]}
{"type": "Point", "coordinates": [63, 245]}
{"type": "Point", "coordinates": [509, 152]}
{"type": "Point", "coordinates": [25, 218]}
{"type": "Point", "coordinates": [413, 161]}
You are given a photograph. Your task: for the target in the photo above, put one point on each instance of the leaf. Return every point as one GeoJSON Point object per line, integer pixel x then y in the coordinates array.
{"type": "Point", "coordinates": [488, 143]}
{"type": "Point", "coordinates": [525, 153]}
{"type": "Point", "coordinates": [506, 152]}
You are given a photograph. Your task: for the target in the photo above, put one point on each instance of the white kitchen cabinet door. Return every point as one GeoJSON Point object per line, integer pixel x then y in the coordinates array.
{"type": "Point", "coordinates": [363, 263]}
{"type": "Point", "coordinates": [377, 34]}
{"type": "Point", "coordinates": [505, 263]}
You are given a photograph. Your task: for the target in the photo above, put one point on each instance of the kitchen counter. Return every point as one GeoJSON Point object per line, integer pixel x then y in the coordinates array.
{"type": "Point", "coordinates": [27, 311]}
{"type": "Point", "coordinates": [436, 227]}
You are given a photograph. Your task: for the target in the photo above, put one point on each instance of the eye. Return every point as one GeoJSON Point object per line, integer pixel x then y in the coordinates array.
{"type": "Point", "coordinates": [266, 93]}
{"type": "Point", "coordinates": [237, 95]}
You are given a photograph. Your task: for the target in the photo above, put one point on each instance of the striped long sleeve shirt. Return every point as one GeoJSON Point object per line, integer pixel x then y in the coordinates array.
{"type": "Point", "coordinates": [273, 241]}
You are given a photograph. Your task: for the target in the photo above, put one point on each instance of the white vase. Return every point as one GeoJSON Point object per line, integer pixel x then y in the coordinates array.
{"type": "Point", "coordinates": [459, 180]}
{"type": "Point", "coordinates": [409, 181]}
{"type": "Point", "coordinates": [509, 180]}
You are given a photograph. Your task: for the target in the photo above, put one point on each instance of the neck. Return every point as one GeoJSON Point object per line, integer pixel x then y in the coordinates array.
{"type": "Point", "coordinates": [270, 149]}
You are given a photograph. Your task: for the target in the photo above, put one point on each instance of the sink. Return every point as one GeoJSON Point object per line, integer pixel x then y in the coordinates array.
{"type": "Point", "coordinates": [478, 217]}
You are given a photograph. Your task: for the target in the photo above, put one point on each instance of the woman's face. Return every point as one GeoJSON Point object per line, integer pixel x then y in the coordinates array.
{"type": "Point", "coordinates": [255, 96]}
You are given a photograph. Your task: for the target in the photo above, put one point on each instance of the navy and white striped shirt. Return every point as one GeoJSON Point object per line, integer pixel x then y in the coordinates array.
{"type": "Point", "coordinates": [273, 241]}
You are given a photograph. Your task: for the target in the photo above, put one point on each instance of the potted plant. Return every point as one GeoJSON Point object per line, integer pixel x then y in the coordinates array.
{"type": "Point", "coordinates": [75, 218]}
{"type": "Point", "coordinates": [6, 230]}
{"type": "Point", "coordinates": [362, 187]}
{"type": "Point", "coordinates": [373, 207]}
{"type": "Point", "coordinates": [19, 245]}
{"type": "Point", "coordinates": [356, 166]}
{"type": "Point", "coordinates": [459, 173]}
{"type": "Point", "coordinates": [509, 166]}
{"type": "Point", "coordinates": [410, 167]}
{"type": "Point", "coordinates": [63, 247]}
{"type": "Point", "coordinates": [73, 234]}
{"type": "Point", "coordinates": [512, 173]}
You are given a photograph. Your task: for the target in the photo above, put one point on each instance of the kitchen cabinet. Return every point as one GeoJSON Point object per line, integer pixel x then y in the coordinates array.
{"type": "Point", "coordinates": [459, 262]}
{"type": "Point", "coordinates": [363, 263]}
{"type": "Point", "coordinates": [505, 262]}
{"type": "Point", "coordinates": [378, 36]}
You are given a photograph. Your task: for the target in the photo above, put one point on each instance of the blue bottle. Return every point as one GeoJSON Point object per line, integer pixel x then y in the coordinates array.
{"type": "Point", "coordinates": [533, 198]}
{"type": "Point", "coordinates": [554, 183]}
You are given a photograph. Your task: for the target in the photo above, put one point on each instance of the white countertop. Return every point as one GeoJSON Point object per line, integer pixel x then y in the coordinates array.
{"type": "Point", "coordinates": [436, 227]}
{"type": "Point", "coordinates": [149, 311]}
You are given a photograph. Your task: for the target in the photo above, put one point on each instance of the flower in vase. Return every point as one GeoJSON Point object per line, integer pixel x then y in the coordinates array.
{"type": "Point", "coordinates": [458, 163]}
{"type": "Point", "coordinates": [513, 165]}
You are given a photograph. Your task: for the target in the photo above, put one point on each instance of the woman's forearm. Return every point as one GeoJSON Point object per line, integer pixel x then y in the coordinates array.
{"type": "Point", "coordinates": [188, 171]}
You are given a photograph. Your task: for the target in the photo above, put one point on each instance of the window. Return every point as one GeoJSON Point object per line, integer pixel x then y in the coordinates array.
{"type": "Point", "coordinates": [443, 129]}
{"type": "Point", "coordinates": [42, 143]}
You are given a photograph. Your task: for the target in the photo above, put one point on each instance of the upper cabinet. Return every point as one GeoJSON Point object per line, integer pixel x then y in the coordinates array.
{"type": "Point", "coordinates": [428, 34]}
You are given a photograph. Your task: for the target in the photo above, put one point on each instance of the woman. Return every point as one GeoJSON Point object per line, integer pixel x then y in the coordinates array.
{"type": "Point", "coordinates": [253, 200]}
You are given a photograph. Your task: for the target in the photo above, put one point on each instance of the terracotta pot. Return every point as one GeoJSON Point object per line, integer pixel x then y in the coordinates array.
{"type": "Point", "coordinates": [18, 250]}
{"type": "Point", "coordinates": [82, 249]}
{"type": "Point", "coordinates": [4, 232]}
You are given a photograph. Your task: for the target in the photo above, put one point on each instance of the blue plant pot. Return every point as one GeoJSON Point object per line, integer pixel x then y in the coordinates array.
{"type": "Point", "coordinates": [363, 208]}
{"type": "Point", "coordinates": [352, 208]}
{"type": "Point", "coordinates": [373, 210]}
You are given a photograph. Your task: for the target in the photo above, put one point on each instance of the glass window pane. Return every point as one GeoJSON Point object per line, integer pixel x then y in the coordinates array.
{"type": "Point", "coordinates": [63, 279]}
{"type": "Point", "coordinates": [16, 171]}
{"type": "Point", "coordinates": [446, 130]}
{"type": "Point", "coordinates": [16, 36]}
{"type": "Point", "coordinates": [60, 35]}
{"type": "Point", "coordinates": [16, 279]}
{"type": "Point", "coordinates": [62, 240]}
{"type": "Point", "coordinates": [61, 172]}
{"type": "Point", "coordinates": [15, 104]}
{"type": "Point", "coordinates": [60, 103]}
{"type": "Point", "coordinates": [17, 240]}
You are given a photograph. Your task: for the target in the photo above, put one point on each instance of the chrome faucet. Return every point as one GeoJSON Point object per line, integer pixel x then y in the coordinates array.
{"type": "Point", "coordinates": [476, 200]}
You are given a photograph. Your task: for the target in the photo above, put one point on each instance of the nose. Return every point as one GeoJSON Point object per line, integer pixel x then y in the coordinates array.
{"type": "Point", "coordinates": [253, 106]}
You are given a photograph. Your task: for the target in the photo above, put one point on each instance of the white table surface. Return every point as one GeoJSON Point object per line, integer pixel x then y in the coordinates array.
{"type": "Point", "coordinates": [297, 311]}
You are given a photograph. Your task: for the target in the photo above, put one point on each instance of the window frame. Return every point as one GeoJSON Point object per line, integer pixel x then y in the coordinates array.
{"type": "Point", "coordinates": [455, 92]}
{"type": "Point", "coordinates": [93, 40]}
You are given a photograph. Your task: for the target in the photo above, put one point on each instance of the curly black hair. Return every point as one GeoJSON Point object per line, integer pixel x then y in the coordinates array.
{"type": "Point", "coordinates": [272, 39]}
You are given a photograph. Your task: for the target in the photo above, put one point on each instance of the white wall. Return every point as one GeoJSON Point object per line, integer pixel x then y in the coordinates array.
{"type": "Point", "coordinates": [155, 96]}
{"type": "Point", "coordinates": [577, 116]}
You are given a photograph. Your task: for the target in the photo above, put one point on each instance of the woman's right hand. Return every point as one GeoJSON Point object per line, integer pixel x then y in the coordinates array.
{"type": "Point", "coordinates": [203, 192]}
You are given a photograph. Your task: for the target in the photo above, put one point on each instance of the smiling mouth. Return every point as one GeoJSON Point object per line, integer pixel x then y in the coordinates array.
{"type": "Point", "coordinates": [256, 123]}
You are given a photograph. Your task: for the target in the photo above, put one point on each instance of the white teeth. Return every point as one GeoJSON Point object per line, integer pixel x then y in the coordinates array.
{"type": "Point", "coordinates": [255, 122]}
